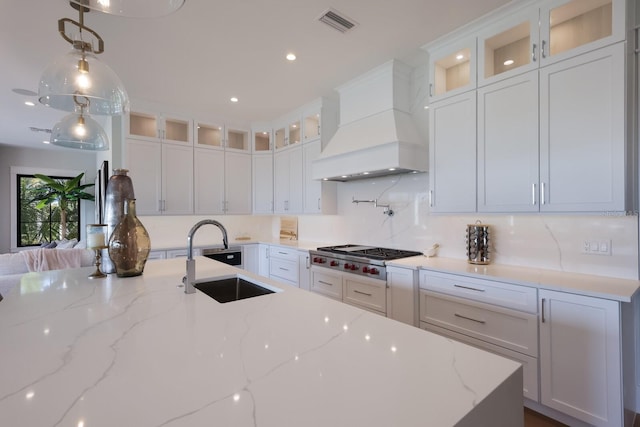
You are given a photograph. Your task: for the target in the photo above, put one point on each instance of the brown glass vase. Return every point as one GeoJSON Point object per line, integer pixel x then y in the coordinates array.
{"type": "Point", "coordinates": [129, 244]}
{"type": "Point", "coordinates": [119, 188]}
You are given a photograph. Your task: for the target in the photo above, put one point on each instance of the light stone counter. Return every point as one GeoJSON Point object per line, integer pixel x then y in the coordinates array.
{"type": "Point", "coordinates": [583, 284]}
{"type": "Point", "coordinates": [140, 352]}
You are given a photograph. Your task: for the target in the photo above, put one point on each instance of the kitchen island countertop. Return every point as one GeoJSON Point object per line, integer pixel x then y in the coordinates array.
{"type": "Point", "coordinates": [138, 351]}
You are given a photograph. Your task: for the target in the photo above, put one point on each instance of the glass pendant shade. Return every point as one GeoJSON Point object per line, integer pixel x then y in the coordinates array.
{"type": "Point", "coordinates": [78, 130]}
{"type": "Point", "coordinates": [79, 73]}
{"type": "Point", "coordinates": [133, 8]}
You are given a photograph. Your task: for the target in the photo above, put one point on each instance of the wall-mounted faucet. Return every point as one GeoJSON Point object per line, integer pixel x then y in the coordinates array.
{"type": "Point", "coordinates": [191, 263]}
{"type": "Point", "coordinates": [387, 209]}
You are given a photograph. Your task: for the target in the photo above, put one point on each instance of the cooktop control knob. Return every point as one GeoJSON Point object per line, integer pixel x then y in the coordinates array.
{"type": "Point", "coordinates": [333, 263]}
{"type": "Point", "coordinates": [353, 267]}
{"type": "Point", "coordinates": [365, 269]}
{"type": "Point", "coordinates": [347, 266]}
{"type": "Point", "coordinates": [374, 271]}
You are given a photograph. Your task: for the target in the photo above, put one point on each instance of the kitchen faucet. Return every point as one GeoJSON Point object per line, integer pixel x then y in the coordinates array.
{"type": "Point", "coordinates": [191, 263]}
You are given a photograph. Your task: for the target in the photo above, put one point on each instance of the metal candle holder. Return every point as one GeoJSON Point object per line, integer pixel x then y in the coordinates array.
{"type": "Point", "coordinates": [96, 240]}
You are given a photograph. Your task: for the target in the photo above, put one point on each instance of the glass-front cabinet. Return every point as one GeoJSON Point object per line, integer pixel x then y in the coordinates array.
{"type": "Point", "coordinates": [569, 28]}
{"type": "Point", "coordinates": [237, 139]}
{"type": "Point", "coordinates": [210, 136]}
{"type": "Point", "coordinates": [262, 141]}
{"type": "Point", "coordinates": [287, 133]}
{"type": "Point", "coordinates": [509, 47]}
{"type": "Point", "coordinates": [452, 69]}
{"type": "Point", "coordinates": [159, 127]}
{"type": "Point", "coordinates": [294, 133]}
{"type": "Point", "coordinates": [311, 127]}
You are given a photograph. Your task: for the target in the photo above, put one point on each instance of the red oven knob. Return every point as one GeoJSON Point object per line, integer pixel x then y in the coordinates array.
{"type": "Point", "coordinates": [365, 269]}
{"type": "Point", "coordinates": [353, 267]}
{"type": "Point", "coordinates": [322, 260]}
{"type": "Point", "coordinates": [347, 266]}
{"type": "Point", "coordinates": [374, 271]}
{"type": "Point", "coordinates": [315, 259]}
{"type": "Point", "coordinates": [333, 263]}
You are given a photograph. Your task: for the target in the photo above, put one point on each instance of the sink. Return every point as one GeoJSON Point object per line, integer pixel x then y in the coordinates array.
{"type": "Point", "coordinates": [232, 288]}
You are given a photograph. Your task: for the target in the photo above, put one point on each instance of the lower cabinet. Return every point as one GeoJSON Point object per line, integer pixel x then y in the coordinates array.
{"type": "Point", "coordinates": [402, 295]}
{"type": "Point", "coordinates": [263, 259]}
{"type": "Point", "coordinates": [570, 345]}
{"type": "Point", "coordinates": [283, 265]}
{"type": "Point", "coordinates": [580, 360]}
{"type": "Point", "coordinates": [251, 258]}
{"type": "Point", "coordinates": [304, 270]}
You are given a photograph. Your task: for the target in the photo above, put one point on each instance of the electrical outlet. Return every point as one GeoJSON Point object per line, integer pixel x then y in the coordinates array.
{"type": "Point", "coordinates": [596, 247]}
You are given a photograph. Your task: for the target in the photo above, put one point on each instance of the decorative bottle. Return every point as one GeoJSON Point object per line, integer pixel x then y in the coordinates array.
{"type": "Point", "coordinates": [118, 189]}
{"type": "Point", "coordinates": [129, 244]}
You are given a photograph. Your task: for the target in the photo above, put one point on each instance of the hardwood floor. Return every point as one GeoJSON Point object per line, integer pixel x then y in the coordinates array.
{"type": "Point", "coordinates": [534, 419]}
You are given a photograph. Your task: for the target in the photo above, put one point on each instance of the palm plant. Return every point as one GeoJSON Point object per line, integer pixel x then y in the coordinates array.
{"type": "Point", "coordinates": [58, 193]}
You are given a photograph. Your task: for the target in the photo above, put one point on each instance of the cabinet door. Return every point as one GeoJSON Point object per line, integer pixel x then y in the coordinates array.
{"type": "Point", "coordinates": [582, 134]}
{"type": "Point", "coordinates": [508, 145]}
{"type": "Point", "coordinates": [237, 139]}
{"type": "Point", "coordinates": [580, 361]}
{"type": "Point", "coordinates": [144, 161]}
{"type": "Point", "coordinates": [296, 180]}
{"type": "Point", "coordinates": [263, 260]}
{"type": "Point", "coordinates": [312, 188]}
{"type": "Point", "coordinates": [452, 69]}
{"type": "Point", "coordinates": [304, 267]}
{"type": "Point", "coordinates": [177, 179]}
{"type": "Point", "coordinates": [251, 258]}
{"type": "Point", "coordinates": [177, 130]}
{"type": "Point", "coordinates": [208, 176]}
{"type": "Point", "coordinates": [452, 154]}
{"type": "Point", "coordinates": [402, 295]}
{"type": "Point", "coordinates": [573, 27]}
{"type": "Point", "coordinates": [237, 183]}
{"type": "Point", "coordinates": [262, 183]}
{"type": "Point", "coordinates": [509, 47]}
{"type": "Point", "coordinates": [311, 126]}
{"type": "Point", "coordinates": [262, 141]}
{"type": "Point", "coordinates": [207, 135]}
{"type": "Point", "coordinates": [143, 126]}
{"type": "Point", "coordinates": [281, 178]}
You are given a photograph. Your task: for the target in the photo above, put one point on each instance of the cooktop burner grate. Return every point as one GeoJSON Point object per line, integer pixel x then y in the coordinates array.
{"type": "Point", "coordinates": [370, 252]}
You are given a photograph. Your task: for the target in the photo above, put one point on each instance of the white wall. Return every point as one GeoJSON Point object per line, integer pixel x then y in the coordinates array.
{"type": "Point", "coordinates": [46, 158]}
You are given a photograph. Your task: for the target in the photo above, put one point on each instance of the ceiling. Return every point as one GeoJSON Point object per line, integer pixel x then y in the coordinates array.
{"type": "Point", "coordinates": [193, 61]}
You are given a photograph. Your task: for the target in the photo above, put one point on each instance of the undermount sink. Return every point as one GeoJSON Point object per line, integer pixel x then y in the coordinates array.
{"type": "Point", "coordinates": [232, 288]}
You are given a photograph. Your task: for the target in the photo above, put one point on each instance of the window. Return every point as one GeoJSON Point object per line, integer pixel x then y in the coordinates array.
{"type": "Point", "coordinates": [42, 225]}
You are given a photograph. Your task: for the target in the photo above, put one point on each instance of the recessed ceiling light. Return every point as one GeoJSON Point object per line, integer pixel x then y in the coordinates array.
{"type": "Point", "coordinates": [365, 173]}
{"type": "Point", "coordinates": [234, 99]}
{"type": "Point", "coordinates": [509, 62]}
{"type": "Point", "coordinates": [46, 141]}
{"type": "Point", "coordinates": [264, 133]}
{"type": "Point", "coordinates": [291, 56]}
{"type": "Point", "coordinates": [344, 176]}
{"type": "Point", "coordinates": [459, 56]}
{"type": "Point", "coordinates": [426, 107]}
{"type": "Point", "coordinates": [392, 169]}
{"type": "Point", "coordinates": [29, 103]}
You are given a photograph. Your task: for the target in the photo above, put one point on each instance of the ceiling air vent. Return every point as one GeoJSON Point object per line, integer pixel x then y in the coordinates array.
{"type": "Point", "coordinates": [336, 20]}
{"type": "Point", "coordinates": [35, 129]}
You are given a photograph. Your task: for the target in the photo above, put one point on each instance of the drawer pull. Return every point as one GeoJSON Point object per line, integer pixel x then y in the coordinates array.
{"type": "Point", "coordinates": [542, 307]}
{"type": "Point", "coordinates": [282, 253]}
{"type": "Point", "coordinates": [355, 291]}
{"type": "Point", "coordinates": [469, 288]}
{"type": "Point", "coordinates": [325, 283]}
{"type": "Point", "coordinates": [469, 318]}
{"type": "Point", "coordinates": [283, 269]}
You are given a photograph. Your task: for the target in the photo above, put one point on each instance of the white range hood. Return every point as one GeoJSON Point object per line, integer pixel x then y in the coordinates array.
{"type": "Point", "coordinates": [377, 135]}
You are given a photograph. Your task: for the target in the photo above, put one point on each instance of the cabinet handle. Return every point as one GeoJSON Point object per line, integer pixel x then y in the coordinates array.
{"type": "Point", "coordinates": [542, 308]}
{"type": "Point", "coordinates": [283, 269]}
{"type": "Point", "coordinates": [430, 198]}
{"type": "Point", "coordinates": [319, 203]}
{"type": "Point", "coordinates": [469, 288]}
{"type": "Point", "coordinates": [542, 46]}
{"type": "Point", "coordinates": [430, 89]}
{"type": "Point", "coordinates": [533, 53]}
{"type": "Point", "coordinates": [159, 205]}
{"type": "Point", "coordinates": [325, 283]}
{"type": "Point", "coordinates": [469, 318]}
{"type": "Point", "coordinates": [308, 262]}
{"type": "Point", "coordinates": [533, 194]}
{"type": "Point", "coordinates": [355, 291]}
{"type": "Point", "coordinates": [282, 253]}
{"type": "Point", "coordinates": [542, 195]}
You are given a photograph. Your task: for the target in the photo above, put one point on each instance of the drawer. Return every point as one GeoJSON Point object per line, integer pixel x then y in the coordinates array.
{"type": "Point", "coordinates": [283, 253]}
{"type": "Point", "coordinates": [506, 328]}
{"type": "Point", "coordinates": [371, 294]}
{"type": "Point", "coordinates": [529, 364]}
{"type": "Point", "coordinates": [284, 269]}
{"type": "Point", "coordinates": [326, 282]}
{"type": "Point", "coordinates": [507, 295]}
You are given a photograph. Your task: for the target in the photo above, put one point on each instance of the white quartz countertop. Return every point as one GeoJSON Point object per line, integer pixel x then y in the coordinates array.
{"type": "Point", "coordinates": [584, 284]}
{"type": "Point", "coordinates": [140, 352]}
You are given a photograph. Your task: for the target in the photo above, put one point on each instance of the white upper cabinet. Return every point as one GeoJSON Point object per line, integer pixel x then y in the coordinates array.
{"type": "Point", "coordinates": [508, 47]}
{"type": "Point", "coordinates": [288, 133]}
{"type": "Point", "coordinates": [217, 136]}
{"type": "Point", "coordinates": [237, 139]}
{"type": "Point", "coordinates": [572, 27]}
{"type": "Point", "coordinates": [452, 154]}
{"type": "Point", "coordinates": [209, 182]}
{"type": "Point", "coordinates": [262, 141]}
{"type": "Point", "coordinates": [311, 126]}
{"type": "Point", "coordinates": [508, 145]}
{"type": "Point", "coordinates": [288, 181]}
{"type": "Point", "coordinates": [452, 69]}
{"type": "Point", "coordinates": [159, 127]}
{"type": "Point", "coordinates": [262, 167]}
{"type": "Point", "coordinates": [582, 133]}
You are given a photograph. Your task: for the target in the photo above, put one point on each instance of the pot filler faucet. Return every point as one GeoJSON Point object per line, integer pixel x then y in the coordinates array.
{"type": "Point", "coordinates": [191, 263]}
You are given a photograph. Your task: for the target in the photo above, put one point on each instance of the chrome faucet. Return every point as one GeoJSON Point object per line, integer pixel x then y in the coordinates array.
{"type": "Point", "coordinates": [191, 263]}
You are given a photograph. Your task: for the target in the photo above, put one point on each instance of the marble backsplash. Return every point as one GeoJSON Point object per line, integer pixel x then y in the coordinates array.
{"type": "Point", "coordinates": [534, 240]}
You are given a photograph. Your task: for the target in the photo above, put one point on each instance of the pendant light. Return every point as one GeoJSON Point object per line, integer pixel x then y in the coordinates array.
{"type": "Point", "coordinates": [78, 130]}
{"type": "Point", "coordinates": [133, 8]}
{"type": "Point", "coordinates": [80, 73]}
